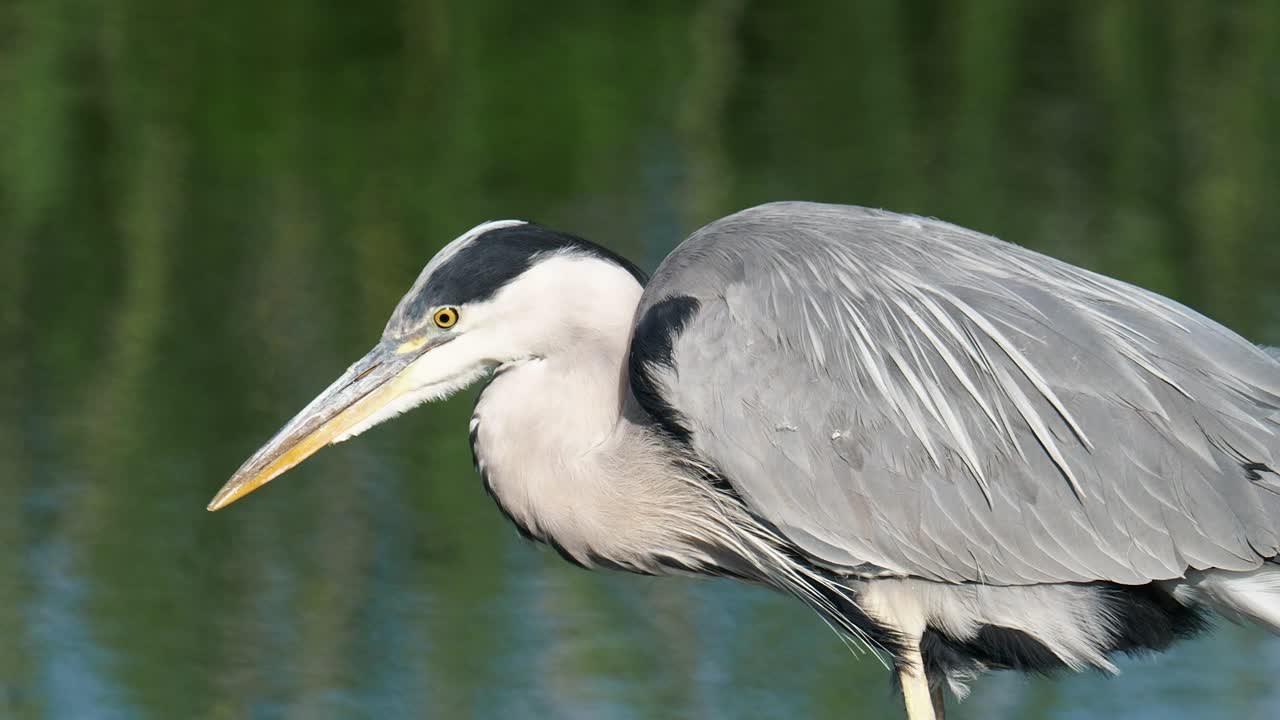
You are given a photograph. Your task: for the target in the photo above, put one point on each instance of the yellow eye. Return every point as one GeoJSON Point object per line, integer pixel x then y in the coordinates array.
{"type": "Point", "coordinates": [446, 317]}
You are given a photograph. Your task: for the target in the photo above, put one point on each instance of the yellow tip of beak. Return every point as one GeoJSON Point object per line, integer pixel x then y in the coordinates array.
{"type": "Point", "coordinates": [284, 451]}
{"type": "Point", "coordinates": [243, 483]}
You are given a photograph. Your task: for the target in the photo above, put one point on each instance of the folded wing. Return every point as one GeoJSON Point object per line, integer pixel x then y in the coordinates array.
{"type": "Point", "coordinates": [901, 392]}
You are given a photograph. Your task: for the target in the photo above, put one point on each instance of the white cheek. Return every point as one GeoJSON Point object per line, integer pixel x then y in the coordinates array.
{"type": "Point", "coordinates": [396, 407]}
{"type": "Point", "coordinates": [411, 400]}
{"type": "Point", "coordinates": [473, 352]}
{"type": "Point", "coordinates": [434, 376]}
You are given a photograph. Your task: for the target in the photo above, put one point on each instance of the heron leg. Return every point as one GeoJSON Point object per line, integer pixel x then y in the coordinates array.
{"type": "Point", "coordinates": [939, 701]}
{"type": "Point", "coordinates": [915, 686]}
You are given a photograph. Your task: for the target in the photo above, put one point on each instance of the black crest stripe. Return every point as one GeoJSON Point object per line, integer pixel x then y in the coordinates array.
{"type": "Point", "coordinates": [494, 259]}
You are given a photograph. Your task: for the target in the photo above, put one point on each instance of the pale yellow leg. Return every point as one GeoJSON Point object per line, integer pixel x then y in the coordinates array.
{"type": "Point", "coordinates": [939, 703]}
{"type": "Point", "coordinates": [915, 687]}
{"type": "Point", "coordinates": [903, 613]}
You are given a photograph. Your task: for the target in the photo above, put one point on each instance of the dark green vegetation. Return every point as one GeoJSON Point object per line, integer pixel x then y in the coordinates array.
{"type": "Point", "coordinates": [208, 209]}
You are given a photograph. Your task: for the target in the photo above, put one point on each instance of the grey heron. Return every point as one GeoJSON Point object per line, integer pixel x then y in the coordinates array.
{"type": "Point", "coordinates": [960, 452]}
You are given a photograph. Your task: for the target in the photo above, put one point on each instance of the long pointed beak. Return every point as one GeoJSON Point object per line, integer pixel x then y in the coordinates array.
{"type": "Point", "coordinates": [365, 388]}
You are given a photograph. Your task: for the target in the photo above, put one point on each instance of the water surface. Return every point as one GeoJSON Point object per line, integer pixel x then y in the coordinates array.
{"type": "Point", "coordinates": [208, 210]}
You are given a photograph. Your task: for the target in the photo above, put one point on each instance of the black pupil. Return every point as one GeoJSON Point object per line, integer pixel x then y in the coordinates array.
{"type": "Point", "coordinates": [446, 318]}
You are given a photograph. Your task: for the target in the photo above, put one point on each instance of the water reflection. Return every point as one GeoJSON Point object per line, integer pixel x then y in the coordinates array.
{"type": "Point", "coordinates": [207, 212]}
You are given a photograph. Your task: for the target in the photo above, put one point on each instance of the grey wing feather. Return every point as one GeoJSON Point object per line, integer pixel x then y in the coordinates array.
{"type": "Point", "coordinates": [903, 392]}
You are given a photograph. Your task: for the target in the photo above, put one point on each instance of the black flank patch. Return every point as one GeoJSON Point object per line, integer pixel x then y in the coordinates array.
{"type": "Point", "coordinates": [1144, 618]}
{"type": "Point", "coordinates": [1147, 618]}
{"type": "Point", "coordinates": [998, 648]}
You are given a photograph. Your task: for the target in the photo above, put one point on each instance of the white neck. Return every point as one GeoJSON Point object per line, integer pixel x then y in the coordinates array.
{"type": "Point", "coordinates": [546, 431]}
{"type": "Point", "coordinates": [563, 462]}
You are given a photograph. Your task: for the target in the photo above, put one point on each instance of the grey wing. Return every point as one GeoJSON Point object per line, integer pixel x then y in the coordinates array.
{"type": "Point", "coordinates": [901, 392]}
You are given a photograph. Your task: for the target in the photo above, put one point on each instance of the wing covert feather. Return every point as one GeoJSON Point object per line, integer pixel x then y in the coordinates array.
{"type": "Point", "coordinates": [903, 392]}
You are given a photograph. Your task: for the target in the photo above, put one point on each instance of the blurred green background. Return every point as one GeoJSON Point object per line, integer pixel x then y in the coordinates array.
{"type": "Point", "coordinates": [208, 209]}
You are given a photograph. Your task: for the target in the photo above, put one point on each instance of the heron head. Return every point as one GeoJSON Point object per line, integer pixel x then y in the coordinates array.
{"type": "Point", "coordinates": [503, 292]}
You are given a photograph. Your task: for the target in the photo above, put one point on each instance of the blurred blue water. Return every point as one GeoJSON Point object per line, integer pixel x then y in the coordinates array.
{"type": "Point", "coordinates": [207, 212]}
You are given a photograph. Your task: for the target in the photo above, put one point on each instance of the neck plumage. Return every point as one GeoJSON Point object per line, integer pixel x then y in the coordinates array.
{"type": "Point", "coordinates": [563, 463]}
{"type": "Point", "coordinates": [553, 448]}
